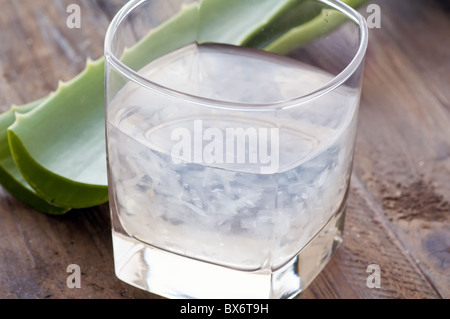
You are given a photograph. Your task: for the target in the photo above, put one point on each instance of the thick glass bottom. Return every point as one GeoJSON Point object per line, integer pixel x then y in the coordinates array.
{"type": "Point", "coordinates": [174, 276]}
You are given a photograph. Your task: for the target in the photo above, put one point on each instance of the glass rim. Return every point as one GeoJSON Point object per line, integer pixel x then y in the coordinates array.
{"type": "Point", "coordinates": [331, 85]}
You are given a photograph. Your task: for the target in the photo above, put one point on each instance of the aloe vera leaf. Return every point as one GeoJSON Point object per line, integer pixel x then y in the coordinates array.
{"type": "Point", "coordinates": [175, 33]}
{"type": "Point", "coordinates": [235, 21]}
{"type": "Point", "coordinates": [59, 147]}
{"type": "Point", "coordinates": [293, 15]}
{"type": "Point", "coordinates": [10, 177]}
{"type": "Point", "coordinates": [311, 30]}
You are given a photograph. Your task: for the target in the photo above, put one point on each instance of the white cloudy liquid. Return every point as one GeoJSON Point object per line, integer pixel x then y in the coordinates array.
{"type": "Point", "coordinates": [226, 213]}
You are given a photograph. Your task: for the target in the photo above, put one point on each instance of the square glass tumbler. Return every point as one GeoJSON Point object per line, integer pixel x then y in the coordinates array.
{"type": "Point", "coordinates": [230, 132]}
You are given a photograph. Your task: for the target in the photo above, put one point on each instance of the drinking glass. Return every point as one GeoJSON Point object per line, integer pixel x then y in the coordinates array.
{"type": "Point", "coordinates": [231, 128]}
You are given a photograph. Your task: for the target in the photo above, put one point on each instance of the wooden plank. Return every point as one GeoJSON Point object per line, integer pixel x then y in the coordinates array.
{"type": "Point", "coordinates": [425, 26]}
{"type": "Point", "coordinates": [403, 150]}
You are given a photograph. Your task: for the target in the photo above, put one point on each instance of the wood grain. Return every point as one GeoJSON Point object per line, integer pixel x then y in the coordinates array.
{"type": "Point", "coordinates": [404, 139]}
{"type": "Point", "coordinates": [399, 204]}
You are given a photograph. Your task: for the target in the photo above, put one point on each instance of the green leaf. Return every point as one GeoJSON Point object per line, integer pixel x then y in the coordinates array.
{"type": "Point", "coordinates": [236, 21]}
{"type": "Point", "coordinates": [11, 178]}
{"type": "Point", "coordinates": [175, 33]}
{"type": "Point", "coordinates": [59, 147]}
{"type": "Point", "coordinates": [303, 34]}
{"type": "Point", "coordinates": [291, 16]}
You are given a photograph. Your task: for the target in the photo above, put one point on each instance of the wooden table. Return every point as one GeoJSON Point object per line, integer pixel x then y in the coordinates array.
{"type": "Point", "coordinates": [398, 209]}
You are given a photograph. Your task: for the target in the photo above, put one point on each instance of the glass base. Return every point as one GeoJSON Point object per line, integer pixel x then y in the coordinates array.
{"type": "Point", "coordinates": [174, 276]}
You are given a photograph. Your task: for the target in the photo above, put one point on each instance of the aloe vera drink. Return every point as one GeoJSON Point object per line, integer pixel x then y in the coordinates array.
{"type": "Point", "coordinates": [255, 191]}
